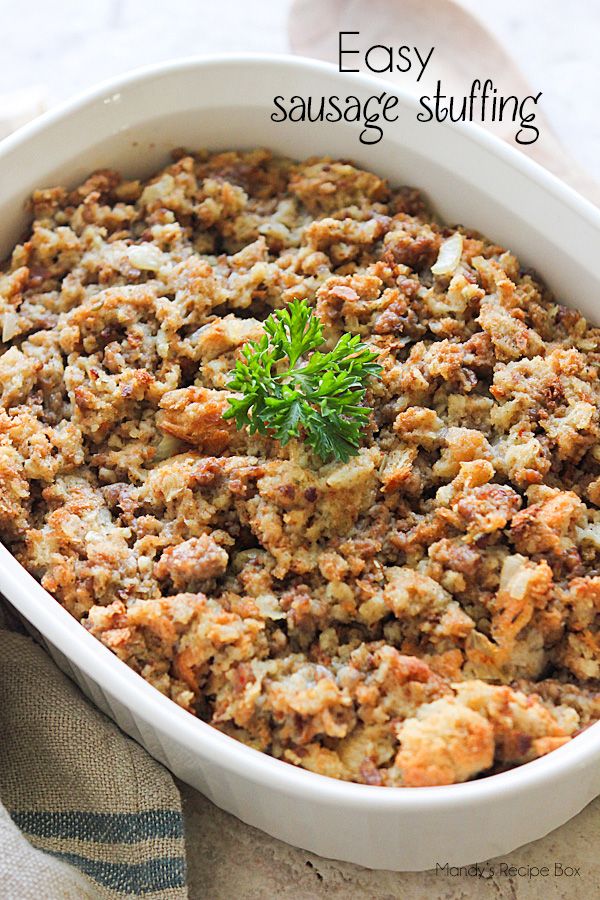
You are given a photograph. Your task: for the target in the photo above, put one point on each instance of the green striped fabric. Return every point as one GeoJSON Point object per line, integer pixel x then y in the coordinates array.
{"type": "Point", "coordinates": [79, 790]}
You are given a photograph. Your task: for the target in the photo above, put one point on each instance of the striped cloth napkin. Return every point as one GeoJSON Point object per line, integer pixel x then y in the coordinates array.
{"type": "Point", "coordinates": [86, 812]}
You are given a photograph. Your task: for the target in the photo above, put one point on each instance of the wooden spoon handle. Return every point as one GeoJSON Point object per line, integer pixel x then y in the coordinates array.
{"type": "Point", "coordinates": [552, 154]}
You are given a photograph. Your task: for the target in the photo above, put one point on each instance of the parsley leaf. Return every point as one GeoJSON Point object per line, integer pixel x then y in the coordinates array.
{"type": "Point", "coordinates": [290, 389]}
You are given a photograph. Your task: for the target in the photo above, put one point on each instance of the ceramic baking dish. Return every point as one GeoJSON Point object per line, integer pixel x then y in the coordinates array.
{"type": "Point", "coordinates": [131, 124]}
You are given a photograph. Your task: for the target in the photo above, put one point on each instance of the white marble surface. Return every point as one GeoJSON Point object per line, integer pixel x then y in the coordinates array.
{"type": "Point", "coordinates": [68, 45]}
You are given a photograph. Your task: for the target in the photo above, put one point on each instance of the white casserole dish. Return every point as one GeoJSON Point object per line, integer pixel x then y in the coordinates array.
{"type": "Point", "coordinates": [131, 124]}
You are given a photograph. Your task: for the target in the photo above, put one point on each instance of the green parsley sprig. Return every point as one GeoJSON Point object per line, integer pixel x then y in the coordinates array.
{"type": "Point", "coordinates": [291, 390]}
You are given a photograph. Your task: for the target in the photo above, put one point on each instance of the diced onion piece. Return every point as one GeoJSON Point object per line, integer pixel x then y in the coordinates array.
{"type": "Point", "coordinates": [449, 255]}
{"type": "Point", "coordinates": [590, 534]}
{"type": "Point", "coordinates": [10, 326]}
{"type": "Point", "coordinates": [269, 607]}
{"type": "Point", "coordinates": [167, 446]}
{"type": "Point", "coordinates": [146, 257]}
{"type": "Point", "coordinates": [158, 190]}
